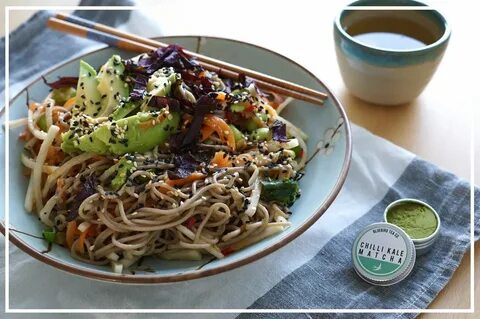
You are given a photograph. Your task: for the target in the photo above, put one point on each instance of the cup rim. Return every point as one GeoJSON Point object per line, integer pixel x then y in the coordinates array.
{"type": "Point", "coordinates": [445, 36]}
{"type": "Point", "coordinates": [414, 200]}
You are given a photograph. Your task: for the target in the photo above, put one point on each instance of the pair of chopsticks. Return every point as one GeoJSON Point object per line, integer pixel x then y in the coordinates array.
{"type": "Point", "coordinates": [127, 41]}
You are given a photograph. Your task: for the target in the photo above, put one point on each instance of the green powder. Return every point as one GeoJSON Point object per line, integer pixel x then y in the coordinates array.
{"type": "Point", "coordinates": [416, 220]}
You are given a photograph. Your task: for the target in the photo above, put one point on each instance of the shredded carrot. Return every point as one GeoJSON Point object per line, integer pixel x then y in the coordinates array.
{"type": "Point", "coordinates": [220, 96]}
{"type": "Point", "coordinates": [80, 246]}
{"type": "Point", "coordinates": [187, 180]}
{"type": "Point", "coordinates": [25, 135]}
{"type": "Point", "coordinates": [70, 103]}
{"type": "Point", "coordinates": [70, 235]}
{"type": "Point", "coordinates": [147, 124]}
{"type": "Point", "coordinates": [206, 131]}
{"type": "Point", "coordinates": [164, 190]}
{"type": "Point", "coordinates": [221, 159]}
{"type": "Point", "coordinates": [33, 106]}
{"type": "Point", "coordinates": [227, 250]}
{"type": "Point", "coordinates": [221, 128]}
{"type": "Point", "coordinates": [55, 116]}
{"type": "Point", "coordinates": [55, 155]}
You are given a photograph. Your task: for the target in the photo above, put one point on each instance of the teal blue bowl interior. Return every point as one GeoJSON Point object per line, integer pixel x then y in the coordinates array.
{"type": "Point", "coordinates": [385, 57]}
{"type": "Point", "coordinates": [323, 180]}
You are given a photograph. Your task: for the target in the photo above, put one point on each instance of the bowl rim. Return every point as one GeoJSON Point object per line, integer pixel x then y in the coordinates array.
{"type": "Point", "coordinates": [156, 279]}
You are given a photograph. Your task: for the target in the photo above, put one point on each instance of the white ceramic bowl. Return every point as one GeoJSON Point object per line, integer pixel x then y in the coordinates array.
{"type": "Point", "coordinates": [324, 177]}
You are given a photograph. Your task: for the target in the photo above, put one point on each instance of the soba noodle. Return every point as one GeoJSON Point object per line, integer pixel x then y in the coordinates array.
{"type": "Point", "coordinates": [219, 213]}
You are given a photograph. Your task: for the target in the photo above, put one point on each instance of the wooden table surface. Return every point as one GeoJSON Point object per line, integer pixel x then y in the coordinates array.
{"type": "Point", "coordinates": [436, 127]}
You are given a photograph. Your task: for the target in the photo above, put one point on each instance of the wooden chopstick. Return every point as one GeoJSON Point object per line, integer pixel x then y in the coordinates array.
{"type": "Point", "coordinates": [200, 57]}
{"type": "Point", "coordinates": [87, 29]}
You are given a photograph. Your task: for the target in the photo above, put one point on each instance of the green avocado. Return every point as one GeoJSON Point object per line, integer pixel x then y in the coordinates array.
{"type": "Point", "coordinates": [110, 85]}
{"type": "Point", "coordinates": [90, 144]}
{"type": "Point", "coordinates": [88, 97]}
{"type": "Point", "coordinates": [67, 143]}
{"type": "Point", "coordinates": [159, 84]}
{"type": "Point", "coordinates": [137, 133]}
{"type": "Point", "coordinates": [124, 167]}
{"type": "Point", "coordinates": [124, 109]}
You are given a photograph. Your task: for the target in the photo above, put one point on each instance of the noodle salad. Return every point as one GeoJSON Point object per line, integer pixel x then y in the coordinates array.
{"type": "Point", "coordinates": [156, 156]}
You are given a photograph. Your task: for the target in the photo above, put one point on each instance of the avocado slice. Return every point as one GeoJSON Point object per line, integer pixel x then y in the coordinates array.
{"type": "Point", "coordinates": [110, 85]}
{"type": "Point", "coordinates": [124, 109]}
{"type": "Point", "coordinates": [137, 133]}
{"type": "Point", "coordinates": [160, 84]}
{"type": "Point", "coordinates": [67, 143]}
{"type": "Point", "coordinates": [124, 167]}
{"type": "Point", "coordinates": [88, 97]}
{"type": "Point", "coordinates": [80, 125]}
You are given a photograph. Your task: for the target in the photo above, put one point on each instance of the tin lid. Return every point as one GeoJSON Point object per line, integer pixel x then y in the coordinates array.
{"type": "Point", "coordinates": [383, 254]}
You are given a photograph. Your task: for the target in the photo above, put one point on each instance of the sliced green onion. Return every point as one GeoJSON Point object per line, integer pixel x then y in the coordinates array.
{"type": "Point", "coordinates": [237, 107]}
{"type": "Point", "coordinates": [297, 149]}
{"type": "Point", "coordinates": [262, 134]}
{"type": "Point", "coordinates": [49, 235]}
{"type": "Point", "coordinates": [263, 116]}
{"type": "Point", "coordinates": [42, 123]}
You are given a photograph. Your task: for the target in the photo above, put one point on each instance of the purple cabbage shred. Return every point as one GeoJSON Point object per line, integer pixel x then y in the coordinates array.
{"type": "Point", "coordinates": [160, 102]}
{"type": "Point", "coordinates": [185, 165]}
{"type": "Point", "coordinates": [62, 82]}
{"type": "Point", "coordinates": [279, 131]}
{"type": "Point", "coordinates": [87, 189]}
{"type": "Point", "coordinates": [187, 140]}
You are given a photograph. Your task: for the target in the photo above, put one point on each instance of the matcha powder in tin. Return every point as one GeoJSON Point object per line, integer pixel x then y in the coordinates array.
{"type": "Point", "coordinates": [417, 220]}
{"type": "Point", "coordinates": [383, 254]}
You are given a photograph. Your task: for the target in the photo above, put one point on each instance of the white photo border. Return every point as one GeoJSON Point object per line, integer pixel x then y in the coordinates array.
{"type": "Point", "coordinates": [100, 310]}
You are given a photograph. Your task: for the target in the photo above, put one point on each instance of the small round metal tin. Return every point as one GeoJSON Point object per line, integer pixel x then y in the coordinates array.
{"type": "Point", "coordinates": [422, 245]}
{"type": "Point", "coordinates": [383, 254]}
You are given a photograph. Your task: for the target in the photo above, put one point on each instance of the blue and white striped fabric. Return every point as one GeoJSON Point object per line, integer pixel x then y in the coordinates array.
{"type": "Point", "coordinates": [314, 271]}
